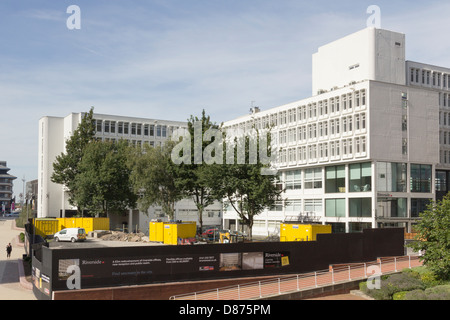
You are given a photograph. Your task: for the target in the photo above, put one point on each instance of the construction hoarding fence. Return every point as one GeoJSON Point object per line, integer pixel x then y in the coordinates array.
{"type": "Point", "coordinates": [62, 269]}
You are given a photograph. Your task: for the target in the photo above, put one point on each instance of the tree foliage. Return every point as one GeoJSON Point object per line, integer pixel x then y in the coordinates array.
{"type": "Point", "coordinates": [433, 237]}
{"type": "Point", "coordinates": [245, 185]}
{"type": "Point", "coordinates": [66, 165]}
{"type": "Point", "coordinates": [194, 177]}
{"type": "Point", "coordinates": [103, 182]}
{"type": "Point", "coordinates": [154, 178]}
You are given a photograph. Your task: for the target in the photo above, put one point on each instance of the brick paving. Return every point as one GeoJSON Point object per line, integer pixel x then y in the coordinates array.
{"type": "Point", "coordinates": [10, 288]}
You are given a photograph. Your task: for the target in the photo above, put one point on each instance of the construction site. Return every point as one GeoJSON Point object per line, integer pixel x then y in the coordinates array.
{"type": "Point", "coordinates": [175, 260]}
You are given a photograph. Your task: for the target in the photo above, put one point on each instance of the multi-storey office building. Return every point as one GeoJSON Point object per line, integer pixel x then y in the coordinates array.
{"type": "Point", "coordinates": [363, 151]}
{"type": "Point", "coordinates": [52, 198]}
{"type": "Point", "coordinates": [6, 187]}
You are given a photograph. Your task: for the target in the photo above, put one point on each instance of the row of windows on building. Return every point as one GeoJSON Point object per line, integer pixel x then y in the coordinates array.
{"type": "Point", "coordinates": [429, 78]}
{"type": "Point", "coordinates": [357, 207]}
{"type": "Point", "coordinates": [337, 227]}
{"type": "Point", "coordinates": [391, 177]}
{"type": "Point", "coordinates": [135, 129]}
{"type": "Point", "coordinates": [323, 129]}
{"type": "Point", "coordinates": [333, 150]}
{"type": "Point", "coordinates": [133, 142]}
{"type": "Point", "coordinates": [308, 112]}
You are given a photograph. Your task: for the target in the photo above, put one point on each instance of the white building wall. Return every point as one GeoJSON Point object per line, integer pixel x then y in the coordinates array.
{"type": "Point", "coordinates": [386, 117]}
{"type": "Point", "coordinates": [51, 144]}
{"type": "Point", "coordinates": [370, 54]}
{"type": "Point", "coordinates": [54, 131]}
{"type": "Point", "coordinates": [401, 126]}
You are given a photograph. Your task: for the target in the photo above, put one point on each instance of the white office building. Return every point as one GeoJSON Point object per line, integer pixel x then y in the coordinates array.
{"type": "Point", "coordinates": [369, 148]}
{"type": "Point", "coordinates": [54, 131]}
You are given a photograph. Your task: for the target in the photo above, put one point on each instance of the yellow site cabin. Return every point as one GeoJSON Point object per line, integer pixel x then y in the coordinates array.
{"type": "Point", "coordinates": [173, 232]}
{"type": "Point", "coordinates": [301, 232]}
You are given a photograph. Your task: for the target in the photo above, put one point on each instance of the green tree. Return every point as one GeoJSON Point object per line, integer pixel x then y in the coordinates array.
{"type": "Point", "coordinates": [154, 178]}
{"type": "Point", "coordinates": [103, 182]}
{"type": "Point", "coordinates": [246, 185]}
{"type": "Point", "coordinates": [66, 165]}
{"type": "Point", "coordinates": [194, 177]}
{"type": "Point", "coordinates": [433, 237]}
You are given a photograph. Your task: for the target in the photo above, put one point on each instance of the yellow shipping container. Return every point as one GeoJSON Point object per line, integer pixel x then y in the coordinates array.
{"type": "Point", "coordinates": [175, 231]}
{"type": "Point", "coordinates": [302, 232]}
{"type": "Point", "coordinates": [45, 227]}
{"type": "Point", "coordinates": [89, 224]}
{"type": "Point", "coordinates": [156, 231]}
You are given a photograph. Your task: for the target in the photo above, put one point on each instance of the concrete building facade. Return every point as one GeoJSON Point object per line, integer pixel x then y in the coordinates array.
{"type": "Point", "coordinates": [6, 188]}
{"type": "Point", "coordinates": [369, 149]}
{"type": "Point", "coordinates": [52, 200]}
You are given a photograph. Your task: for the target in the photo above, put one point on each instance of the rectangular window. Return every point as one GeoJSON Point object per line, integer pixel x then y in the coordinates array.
{"type": "Point", "coordinates": [313, 206]}
{"type": "Point", "coordinates": [313, 178]}
{"type": "Point", "coordinates": [120, 128]}
{"type": "Point", "coordinates": [139, 129]}
{"type": "Point", "coordinates": [405, 123]}
{"type": "Point", "coordinates": [126, 128]}
{"type": "Point", "coordinates": [99, 126]}
{"type": "Point", "coordinates": [360, 207]}
{"type": "Point", "coordinates": [357, 122]}
{"type": "Point", "coordinates": [405, 146]}
{"type": "Point", "coordinates": [294, 180]}
{"type": "Point", "coordinates": [392, 208]}
{"type": "Point", "coordinates": [420, 178]}
{"type": "Point", "coordinates": [106, 127]}
{"type": "Point", "coordinates": [360, 177]}
{"type": "Point", "coordinates": [391, 177]}
{"type": "Point", "coordinates": [441, 181]}
{"type": "Point", "coordinates": [158, 131]}
{"type": "Point", "coordinates": [294, 206]}
{"type": "Point", "coordinates": [418, 206]}
{"type": "Point", "coordinates": [335, 179]}
{"type": "Point", "coordinates": [278, 206]}
{"type": "Point", "coordinates": [335, 207]}
{"type": "Point", "coordinates": [133, 128]}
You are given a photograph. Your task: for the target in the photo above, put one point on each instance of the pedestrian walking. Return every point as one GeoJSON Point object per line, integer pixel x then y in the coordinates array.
{"type": "Point", "coordinates": [8, 250]}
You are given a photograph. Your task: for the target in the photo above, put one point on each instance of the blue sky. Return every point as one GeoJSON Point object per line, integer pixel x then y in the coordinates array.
{"type": "Point", "coordinates": [168, 59]}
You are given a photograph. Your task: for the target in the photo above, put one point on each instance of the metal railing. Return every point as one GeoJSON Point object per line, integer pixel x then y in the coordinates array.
{"type": "Point", "coordinates": [335, 274]}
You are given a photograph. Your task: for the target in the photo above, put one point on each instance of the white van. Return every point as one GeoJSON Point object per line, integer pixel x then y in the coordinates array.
{"type": "Point", "coordinates": [70, 234]}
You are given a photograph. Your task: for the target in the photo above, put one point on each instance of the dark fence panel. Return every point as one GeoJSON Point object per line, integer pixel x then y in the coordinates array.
{"type": "Point", "coordinates": [101, 267]}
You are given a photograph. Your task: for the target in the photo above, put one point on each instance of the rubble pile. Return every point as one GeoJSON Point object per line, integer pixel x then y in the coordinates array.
{"type": "Point", "coordinates": [122, 236]}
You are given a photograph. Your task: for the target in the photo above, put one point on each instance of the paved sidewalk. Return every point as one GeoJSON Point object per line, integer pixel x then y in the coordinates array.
{"type": "Point", "coordinates": [10, 288]}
